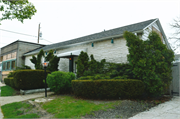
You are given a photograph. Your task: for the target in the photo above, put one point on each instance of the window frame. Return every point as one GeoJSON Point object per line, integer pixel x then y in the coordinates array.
{"type": "Point", "coordinates": [6, 65]}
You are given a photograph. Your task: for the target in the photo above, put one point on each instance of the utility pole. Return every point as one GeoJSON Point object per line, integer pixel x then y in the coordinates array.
{"type": "Point", "coordinates": [38, 33]}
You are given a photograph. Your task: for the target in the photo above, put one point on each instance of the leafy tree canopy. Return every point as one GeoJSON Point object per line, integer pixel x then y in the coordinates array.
{"type": "Point", "coordinates": [16, 9]}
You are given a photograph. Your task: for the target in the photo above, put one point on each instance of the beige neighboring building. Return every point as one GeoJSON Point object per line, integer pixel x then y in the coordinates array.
{"type": "Point", "coordinates": [108, 44]}
{"type": "Point", "coordinates": [12, 55]}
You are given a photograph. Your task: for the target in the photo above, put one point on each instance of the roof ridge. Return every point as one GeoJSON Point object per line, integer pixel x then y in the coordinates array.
{"type": "Point", "coordinates": [106, 31]}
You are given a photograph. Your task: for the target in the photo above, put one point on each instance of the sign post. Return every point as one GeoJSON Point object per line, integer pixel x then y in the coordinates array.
{"type": "Point", "coordinates": [45, 64]}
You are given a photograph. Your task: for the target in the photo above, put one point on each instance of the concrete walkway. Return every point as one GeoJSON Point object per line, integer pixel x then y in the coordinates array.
{"type": "Point", "coordinates": [167, 110]}
{"type": "Point", "coordinates": [19, 98]}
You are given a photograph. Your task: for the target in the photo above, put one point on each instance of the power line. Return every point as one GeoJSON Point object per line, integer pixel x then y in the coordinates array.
{"type": "Point", "coordinates": [47, 40]}
{"type": "Point", "coordinates": [18, 38]}
{"type": "Point", "coordinates": [17, 33]}
{"type": "Point", "coordinates": [24, 34]}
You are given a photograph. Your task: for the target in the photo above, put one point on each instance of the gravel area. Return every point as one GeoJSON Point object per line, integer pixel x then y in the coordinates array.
{"type": "Point", "coordinates": [125, 110]}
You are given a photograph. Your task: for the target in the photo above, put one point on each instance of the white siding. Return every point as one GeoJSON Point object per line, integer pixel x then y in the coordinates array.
{"type": "Point", "coordinates": [156, 26]}
{"type": "Point", "coordinates": [28, 62]}
{"type": "Point", "coordinates": [116, 52]}
{"type": "Point", "coordinates": [148, 30]}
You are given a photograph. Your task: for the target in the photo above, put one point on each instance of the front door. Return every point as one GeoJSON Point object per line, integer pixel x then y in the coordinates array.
{"type": "Point", "coordinates": [71, 64]}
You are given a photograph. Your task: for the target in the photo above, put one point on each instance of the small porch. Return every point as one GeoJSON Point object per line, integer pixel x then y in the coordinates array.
{"type": "Point", "coordinates": [72, 57]}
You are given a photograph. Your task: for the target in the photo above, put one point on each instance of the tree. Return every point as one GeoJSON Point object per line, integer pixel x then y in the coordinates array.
{"type": "Point", "coordinates": [176, 36]}
{"type": "Point", "coordinates": [151, 62]}
{"type": "Point", "coordinates": [16, 9]}
{"type": "Point", "coordinates": [37, 60]}
{"type": "Point", "coordinates": [82, 64]}
{"type": "Point", "coordinates": [53, 61]}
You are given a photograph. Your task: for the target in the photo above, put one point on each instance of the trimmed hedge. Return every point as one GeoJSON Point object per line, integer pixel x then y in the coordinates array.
{"type": "Point", "coordinates": [10, 82]}
{"type": "Point", "coordinates": [112, 88]}
{"type": "Point", "coordinates": [26, 79]}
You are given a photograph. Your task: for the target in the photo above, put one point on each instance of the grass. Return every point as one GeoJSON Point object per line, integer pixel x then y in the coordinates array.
{"type": "Point", "coordinates": [17, 109]}
{"type": "Point", "coordinates": [69, 107]}
{"type": "Point", "coordinates": [61, 107]}
{"type": "Point", "coordinates": [7, 91]}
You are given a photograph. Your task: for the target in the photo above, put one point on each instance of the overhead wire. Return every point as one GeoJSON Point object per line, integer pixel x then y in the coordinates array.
{"type": "Point", "coordinates": [24, 34]}
{"type": "Point", "coordinates": [18, 33]}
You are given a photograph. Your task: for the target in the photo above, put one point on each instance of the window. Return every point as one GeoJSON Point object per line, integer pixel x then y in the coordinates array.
{"type": "Point", "coordinates": [4, 66]}
{"type": "Point", "coordinates": [9, 56]}
{"type": "Point", "coordinates": [1, 59]}
{"type": "Point", "coordinates": [14, 55]}
{"type": "Point", "coordinates": [4, 57]}
{"type": "Point", "coordinates": [13, 64]}
{"type": "Point", "coordinates": [8, 65]}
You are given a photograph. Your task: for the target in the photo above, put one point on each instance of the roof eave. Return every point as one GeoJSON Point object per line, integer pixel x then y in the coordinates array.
{"type": "Point", "coordinates": [91, 41]}
{"type": "Point", "coordinates": [165, 38]}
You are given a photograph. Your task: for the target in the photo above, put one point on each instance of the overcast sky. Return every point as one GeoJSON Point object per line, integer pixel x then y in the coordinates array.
{"type": "Point", "coordinates": [65, 20]}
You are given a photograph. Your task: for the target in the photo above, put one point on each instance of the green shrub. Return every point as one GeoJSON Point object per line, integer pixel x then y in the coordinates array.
{"type": "Point", "coordinates": [102, 68]}
{"type": "Point", "coordinates": [121, 69]}
{"type": "Point", "coordinates": [29, 79]}
{"type": "Point", "coordinates": [96, 77]}
{"type": "Point", "coordinates": [12, 83]}
{"type": "Point", "coordinates": [151, 62]}
{"type": "Point", "coordinates": [82, 64]}
{"type": "Point", "coordinates": [53, 61]}
{"type": "Point", "coordinates": [10, 74]}
{"type": "Point", "coordinates": [60, 82]}
{"type": "Point", "coordinates": [7, 81]}
{"type": "Point", "coordinates": [108, 88]}
{"type": "Point", "coordinates": [86, 78]}
{"type": "Point", "coordinates": [106, 77]}
{"type": "Point", "coordinates": [89, 68]}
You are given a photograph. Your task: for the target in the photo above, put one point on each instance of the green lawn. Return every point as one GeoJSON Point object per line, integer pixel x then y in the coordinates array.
{"type": "Point", "coordinates": [7, 91]}
{"type": "Point", "coordinates": [69, 107]}
{"type": "Point", "coordinates": [60, 107]}
{"type": "Point", "coordinates": [18, 110]}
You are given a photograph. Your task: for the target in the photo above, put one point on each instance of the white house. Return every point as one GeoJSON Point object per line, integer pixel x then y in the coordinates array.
{"type": "Point", "coordinates": [109, 45]}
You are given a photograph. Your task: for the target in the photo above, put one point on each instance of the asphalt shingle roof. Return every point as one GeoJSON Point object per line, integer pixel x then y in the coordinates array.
{"type": "Point", "coordinates": [104, 34]}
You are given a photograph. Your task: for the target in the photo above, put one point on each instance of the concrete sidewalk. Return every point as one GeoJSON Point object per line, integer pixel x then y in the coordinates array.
{"type": "Point", "coordinates": [1, 84]}
{"type": "Point", "coordinates": [11, 99]}
{"type": "Point", "coordinates": [19, 98]}
{"type": "Point", "coordinates": [167, 110]}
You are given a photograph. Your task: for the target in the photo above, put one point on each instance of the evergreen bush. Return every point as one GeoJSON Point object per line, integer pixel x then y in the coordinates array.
{"type": "Point", "coordinates": [151, 62]}
{"type": "Point", "coordinates": [60, 82]}
{"type": "Point", "coordinates": [53, 61]}
{"type": "Point", "coordinates": [82, 64]}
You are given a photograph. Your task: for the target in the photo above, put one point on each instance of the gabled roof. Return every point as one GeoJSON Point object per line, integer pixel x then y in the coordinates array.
{"type": "Point", "coordinates": [97, 36]}
{"type": "Point", "coordinates": [22, 42]}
